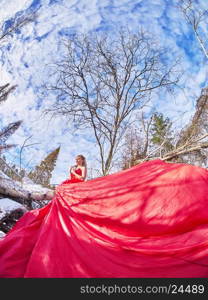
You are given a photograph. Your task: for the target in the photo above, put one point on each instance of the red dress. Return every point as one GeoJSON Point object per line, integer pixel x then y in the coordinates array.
{"type": "Point", "coordinates": [73, 178]}
{"type": "Point", "coordinates": [148, 221]}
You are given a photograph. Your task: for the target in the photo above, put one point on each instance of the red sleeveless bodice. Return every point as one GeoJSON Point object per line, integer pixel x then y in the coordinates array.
{"type": "Point", "coordinates": [78, 172]}
{"type": "Point", "coordinates": [73, 178]}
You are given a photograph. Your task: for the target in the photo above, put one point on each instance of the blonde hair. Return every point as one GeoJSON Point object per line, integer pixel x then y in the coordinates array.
{"type": "Point", "coordinates": [84, 160]}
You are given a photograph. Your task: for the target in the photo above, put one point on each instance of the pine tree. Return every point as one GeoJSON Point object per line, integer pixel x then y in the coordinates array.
{"type": "Point", "coordinates": [43, 172]}
{"type": "Point", "coordinates": [10, 171]}
{"type": "Point", "coordinates": [5, 90]}
{"type": "Point", "coordinates": [153, 137]}
{"type": "Point", "coordinates": [6, 132]}
{"type": "Point", "coordinates": [161, 132]}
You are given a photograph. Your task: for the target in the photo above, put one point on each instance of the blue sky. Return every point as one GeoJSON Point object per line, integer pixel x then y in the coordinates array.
{"type": "Point", "coordinates": [25, 57]}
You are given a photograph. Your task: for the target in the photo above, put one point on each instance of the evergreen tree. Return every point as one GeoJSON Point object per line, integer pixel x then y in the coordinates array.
{"type": "Point", "coordinates": [153, 137]}
{"type": "Point", "coordinates": [161, 132]}
{"type": "Point", "coordinates": [6, 132]}
{"type": "Point", "coordinates": [10, 171]}
{"type": "Point", "coordinates": [43, 172]}
{"type": "Point", "coordinates": [5, 90]}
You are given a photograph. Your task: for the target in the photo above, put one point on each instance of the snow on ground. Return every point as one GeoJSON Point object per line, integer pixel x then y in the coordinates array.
{"type": "Point", "coordinates": [9, 205]}
{"type": "Point", "coordinates": [6, 206]}
{"type": "Point", "coordinates": [27, 186]}
{"type": "Point", "coordinates": [2, 212]}
{"type": "Point", "coordinates": [32, 187]}
{"type": "Point", "coordinates": [23, 187]}
{"type": "Point", "coordinates": [2, 234]}
{"type": "Point", "coordinates": [3, 175]}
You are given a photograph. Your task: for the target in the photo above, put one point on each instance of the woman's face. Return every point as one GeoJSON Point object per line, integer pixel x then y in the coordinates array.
{"type": "Point", "coordinates": [79, 160]}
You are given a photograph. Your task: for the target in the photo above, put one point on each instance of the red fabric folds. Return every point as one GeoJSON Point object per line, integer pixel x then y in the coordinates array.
{"type": "Point", "coordinates": [73, 178]}
{"type": "Point", "coordinates": [148, 221]}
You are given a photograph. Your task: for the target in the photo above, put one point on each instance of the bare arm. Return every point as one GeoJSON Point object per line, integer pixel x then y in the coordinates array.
{"type": "Point", "coordinates": [71, 170]}
{"type": "Point", "coordinates": [84, 173]}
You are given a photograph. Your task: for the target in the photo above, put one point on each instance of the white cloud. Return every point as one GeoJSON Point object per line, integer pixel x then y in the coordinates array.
{"type": "Point", "coordinates": [9, 8]}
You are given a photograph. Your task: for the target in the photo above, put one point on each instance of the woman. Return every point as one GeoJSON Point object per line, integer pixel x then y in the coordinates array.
{"type": "Point", "coordinates": [78, 172]}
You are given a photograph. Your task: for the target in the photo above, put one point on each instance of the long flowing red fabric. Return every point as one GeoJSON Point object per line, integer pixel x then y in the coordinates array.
{"type": "Point", "coordinates": [148, 221]}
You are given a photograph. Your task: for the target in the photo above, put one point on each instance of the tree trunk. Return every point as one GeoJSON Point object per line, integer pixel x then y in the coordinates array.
{"type": "Point", "coordinates": [10, 188]}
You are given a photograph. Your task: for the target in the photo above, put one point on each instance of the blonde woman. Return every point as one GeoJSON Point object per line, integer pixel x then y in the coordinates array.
{"type": "Point", "coordinates": [78, 172]}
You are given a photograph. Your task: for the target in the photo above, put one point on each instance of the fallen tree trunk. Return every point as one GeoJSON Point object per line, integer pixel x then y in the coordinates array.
{"type": "Point", "coordinates": [173, 154]}
{"type": "Point", "coordinates": [12, 189]}
{"type": "Point", "coordinates": [185, 149]}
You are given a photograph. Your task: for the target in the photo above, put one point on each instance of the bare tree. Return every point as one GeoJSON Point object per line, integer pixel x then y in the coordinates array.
{"type": "Point", "coordinates": [8, 28]}
{"type": "Point", "coordinates": [189, 145]}
{"type": "Point", "coordinates": [197, 17]}
{"type": "Point", "coordinates": [132, 148]}
{"type": "Point", "coordinates": [100, 82]}
{"type": "Point", "coordinates": [195, 134]}
{"type": "Point", "coordinates": [23, 146]}
{"type": "Point", "coordinates": [137, 141]}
